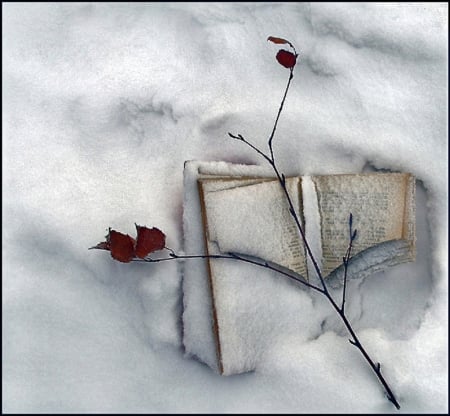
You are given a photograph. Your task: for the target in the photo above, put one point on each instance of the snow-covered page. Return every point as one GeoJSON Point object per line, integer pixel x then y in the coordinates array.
{"type": "Point", "coordinates": [199, 325]}
{"type": "Point", "coordinates": [383, 209]}
{"type": "Point", "coordinates": [256, 308]}
{"type": "Point", "coordinates": [250, 217]}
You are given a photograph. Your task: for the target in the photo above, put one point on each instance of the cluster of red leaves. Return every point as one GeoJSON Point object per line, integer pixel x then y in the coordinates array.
{"type": "Point", "coordinates": [284, 57]}
{"type": "Point", "coordinates": [125, 248]}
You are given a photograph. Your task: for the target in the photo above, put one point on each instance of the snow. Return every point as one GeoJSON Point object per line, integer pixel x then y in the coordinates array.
{"type": "Point", "coordinates": [103, 104]}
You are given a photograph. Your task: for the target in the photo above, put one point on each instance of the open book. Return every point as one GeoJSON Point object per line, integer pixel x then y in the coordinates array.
{"type": "Point", "coordinates": [242, 209]}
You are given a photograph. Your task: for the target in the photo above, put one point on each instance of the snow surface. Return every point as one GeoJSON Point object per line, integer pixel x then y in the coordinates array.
{"type": "Point", "coordinates": [103, 103]}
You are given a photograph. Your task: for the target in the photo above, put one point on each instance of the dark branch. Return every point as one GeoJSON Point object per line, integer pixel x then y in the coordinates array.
{"type": "Point", "coordinates": [230, 256]}
{"type": "Point", "coordinates": [346, 258]}
{"type": "Point", "coordinates": [242, 139]}
{"type": "Point", "coordinates": [352, 235]}
{"type": "Point", "coordinates": [291, 75]}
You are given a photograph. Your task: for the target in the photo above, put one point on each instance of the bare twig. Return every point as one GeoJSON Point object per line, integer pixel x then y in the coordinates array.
{"type": "Point", "coordinates": [346, 258]}
{"type": "Point", "coordinates": [324, 290]}
{"type": "Point", "coordinates": [230, 256]}
{"type": "Point", "coordinates": [281, 179]}
{"type": "Point", "coordinates": [291, 75]}
{"type": "Point", "coordinates": [240, 138]}
{"type": "Point", "coordinates": [270, 158]}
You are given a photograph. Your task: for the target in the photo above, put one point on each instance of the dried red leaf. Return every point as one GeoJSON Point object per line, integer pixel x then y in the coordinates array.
{"type": "Point", "coordinates": [102, 246]}
{"type": "Point", "coordinates": [279, 41]}
{"type": "Point", "coordinates": [121, 246]}
{"type": "Point", "coordinates": [286, 58]}
{"type": "Point", "coordinates": [149, 240]}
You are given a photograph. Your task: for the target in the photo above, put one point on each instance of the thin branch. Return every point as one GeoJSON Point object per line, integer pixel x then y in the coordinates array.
{"type": "Point", "coordinates": [356, 342]}
{"type": "Point", "coordinates": [340, 310]}
{"type": "Point", "coordinates": [172, 255]}
{"type": "Point", "coordinates": [291, 75]}
{"type": "Point", "coordinates": [242, 139]}
{"type": "Point", "coordinates": [375, 367]}
{"type": "Point", "coordinates": [299, 226]}
{"type": "Point", "coordinates": [345, 261]}
{"type": "Point", "coordinates": [229, 256]}
{"type": "Point", "coordinates": [281, 179]}
{"type": "Point", "coordinates": [346, 258]}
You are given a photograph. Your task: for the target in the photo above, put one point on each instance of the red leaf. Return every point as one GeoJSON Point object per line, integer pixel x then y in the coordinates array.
{"type": "Point", "coordinates": [102, 246]}
{"type": "Point", "coordinates": [149, 240]}
{"type": "Point", "coordinates": [278, 40]}
{"type": "Point", "coordinates": [286, 58]}
{"type": "Point", "coordinates": [122, 246]}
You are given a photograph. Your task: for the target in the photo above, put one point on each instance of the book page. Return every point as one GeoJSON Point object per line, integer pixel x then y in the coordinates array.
{"type": "Point", "coordinates": [199, 318]}
{"type": "Point", "coordinates": [383, 210]}
{"type": "Point", "coordinates": [251, 217]}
